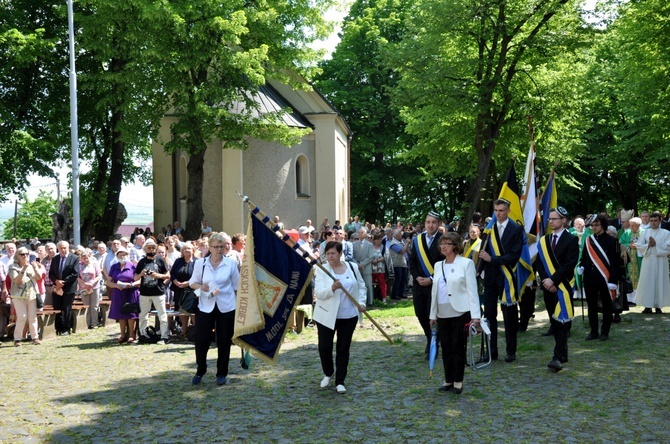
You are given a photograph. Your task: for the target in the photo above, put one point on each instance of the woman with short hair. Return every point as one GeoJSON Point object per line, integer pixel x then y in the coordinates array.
{"type": "Point", "coordinates": [334, 313]}
{"type": "Point", "coordinates": [454, 302]}
{"type": "Point", "coordinates": [23, 293]}
{"type": "Point", "coordinates": [89, 286]}
{"type": "Point", "coordinates": [217, 277]}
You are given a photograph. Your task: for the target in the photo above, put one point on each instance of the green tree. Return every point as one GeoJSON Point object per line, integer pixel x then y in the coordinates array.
{"type": "Point", "coordinates": [33, 218]}
{"type": "Point", "coordinates": [466, 69]}
{"type": "Point", "coordinates": [627, 86]}
{"type": "Point", "coordinates": [357, 81]}
{"type": "Point", "coordinates": [117, 99]}
{"type": "Point", "coordinates": [33, 103]}
{"type": "Point", "coordinates": [213, 58]}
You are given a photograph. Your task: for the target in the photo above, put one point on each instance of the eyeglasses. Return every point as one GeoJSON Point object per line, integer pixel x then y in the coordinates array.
{"type": "Point", "coordinates": [218, 247]}
{"type": "Point", "coordinates": [24, 254]}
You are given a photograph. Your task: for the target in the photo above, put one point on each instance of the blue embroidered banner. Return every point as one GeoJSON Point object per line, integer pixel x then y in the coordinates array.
{"type": "Point", "coordinates": [273, 279]}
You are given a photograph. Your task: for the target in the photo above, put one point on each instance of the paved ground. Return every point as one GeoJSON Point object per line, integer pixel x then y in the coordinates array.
{"type": "Point", "coordinates": [86, 389]}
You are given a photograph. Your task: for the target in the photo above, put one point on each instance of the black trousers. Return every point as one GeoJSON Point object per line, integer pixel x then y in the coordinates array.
{"type": "Point", "coordinates": [526, 307]}
{"type": "Point", "coordinates": [596, 290]}
{"type": "Point", "coordinates": [345, 332]}
{"type": "Point", "coordinates": [451, 333]}
{"type": "Point", "coordinates": [421, 301]}
{"type": "Point", "coordinates": [510, 314]}
{"type": "Point", "coordinates": [224, 323]}
{"type": "Point", "coordinates": [63, 319]}
{"type": "Point", "coordinates": [560, 329]}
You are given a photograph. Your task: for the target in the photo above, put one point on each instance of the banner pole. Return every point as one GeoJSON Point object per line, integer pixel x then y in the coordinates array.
{"type": "Point", "coordinates": [290, 242]}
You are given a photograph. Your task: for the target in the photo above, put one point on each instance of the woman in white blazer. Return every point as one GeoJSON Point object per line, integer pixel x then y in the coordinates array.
{"type": "Point", "coordinates": [335, 312]}
{"type": "Point", "coordinates": [454, 303]}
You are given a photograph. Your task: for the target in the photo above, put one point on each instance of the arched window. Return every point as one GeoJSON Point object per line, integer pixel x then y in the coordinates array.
{"type": "Point", "coordinates": [302, 176]}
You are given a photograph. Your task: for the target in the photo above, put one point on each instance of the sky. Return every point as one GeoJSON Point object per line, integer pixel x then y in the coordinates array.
{"type": "Point", "coordinates": [137, 198]}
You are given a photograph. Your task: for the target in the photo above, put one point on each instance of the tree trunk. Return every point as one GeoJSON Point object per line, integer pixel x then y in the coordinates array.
{"type": "Point", "coordinates": [194, 211]}
{"type": "Point", "coordinates": [106, 228]}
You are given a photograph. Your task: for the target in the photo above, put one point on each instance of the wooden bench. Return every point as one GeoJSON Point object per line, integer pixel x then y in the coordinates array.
{"type": "Point", "coordinates": [79, 312]}
{"type": "Point", "coordinates": [46, 322]}
{"type": "Point", "coordinates": [105, 306]}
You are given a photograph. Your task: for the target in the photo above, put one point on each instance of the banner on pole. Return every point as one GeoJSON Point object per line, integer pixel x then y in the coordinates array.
{"type": "Point", "coordinates": [273, 279]}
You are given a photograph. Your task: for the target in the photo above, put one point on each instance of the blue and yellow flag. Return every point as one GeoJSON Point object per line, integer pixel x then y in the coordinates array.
{"type": "Point", "coordinates": [273, 279]}
{"type": "Point", "coordinates": [549, 201]}
{"type": "Point", "coordinates": [510, 192]}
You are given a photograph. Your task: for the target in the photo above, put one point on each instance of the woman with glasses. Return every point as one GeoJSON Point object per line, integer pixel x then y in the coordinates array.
{"type": "Point", "coordinates": [23, 293]}
{"type": "Point", "coordinates": [454, 302]}
{"type": "Point", "coordinates": [217, 277]}
{"type": "Point", "coordinates": [124, 289]}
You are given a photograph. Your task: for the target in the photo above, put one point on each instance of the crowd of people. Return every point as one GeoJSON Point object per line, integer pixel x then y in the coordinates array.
{"type": "Point", "coordinates": [453, 280]}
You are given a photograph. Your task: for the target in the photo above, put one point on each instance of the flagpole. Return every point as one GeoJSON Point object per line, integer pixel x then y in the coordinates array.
{"type": "Point", "coordinates": [553, 171]}
{"type": "Point", "coordinates": [290, 242]}
{"type": "Point", "coordinates": [530, 165]}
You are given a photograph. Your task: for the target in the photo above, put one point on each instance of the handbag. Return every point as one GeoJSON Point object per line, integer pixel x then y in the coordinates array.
{"type": "Point", "coordinates": [189, 300]}
{"type": "Point", "coordinates": [130, 308]}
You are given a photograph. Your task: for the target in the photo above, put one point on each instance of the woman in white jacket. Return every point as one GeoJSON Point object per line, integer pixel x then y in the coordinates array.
{"type": "Point", "coordinates": [335, 312]}
{"type": "Point", "coordinates": [454, 303]}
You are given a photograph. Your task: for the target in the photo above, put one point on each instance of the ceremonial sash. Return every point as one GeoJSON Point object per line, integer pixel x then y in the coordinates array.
{"type": "Point", "coordinates": [421, 248]}
{"type": "Point", "coordinates": [598, 257]}
{"type": "Point", "coordinates": [510, 296]}
{"type": "Point", "coordinates": [472, 248]}
{"type": "Point", "coordinates": [563, 312]}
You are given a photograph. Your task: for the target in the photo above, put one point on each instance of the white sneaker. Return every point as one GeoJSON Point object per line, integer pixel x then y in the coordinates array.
{"type": "Point", "coordinates": [341, 389]}
{"type": "Point", "coordinates": [325, 382]}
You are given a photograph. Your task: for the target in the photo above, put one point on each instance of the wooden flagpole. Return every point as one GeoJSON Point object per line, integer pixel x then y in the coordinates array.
{"type": "Point", "coordinates": [290, 242]}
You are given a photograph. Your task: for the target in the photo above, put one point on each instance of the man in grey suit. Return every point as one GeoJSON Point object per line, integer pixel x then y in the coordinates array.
{"type": "Point", "coordinates": [363, 251]}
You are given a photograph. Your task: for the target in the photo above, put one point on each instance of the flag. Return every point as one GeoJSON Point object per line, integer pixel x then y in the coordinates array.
{"type": "Point", "coordinates": [273, 279]}
{"type": "Point", "coordinates": [510, 192]}
{"type": "Point", "coordinates": [529, 203]}
{"type": "Point", "coordinates": [549, 201]}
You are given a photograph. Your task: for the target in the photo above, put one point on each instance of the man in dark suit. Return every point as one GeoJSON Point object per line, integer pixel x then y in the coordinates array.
{"type": "Point", "coordinates": [63, 273]}
{"type": "Point", "coordinates": [600, 266]}
{"type": "Point", "coordinates": [500, 257]}
{"type": "Point", "coordinates": [558, 253]}
{"type": "Point", "coordinates": [425, 252]}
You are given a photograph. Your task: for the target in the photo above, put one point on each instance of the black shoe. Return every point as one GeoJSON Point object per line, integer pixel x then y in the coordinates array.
{"type": "Point", "coordinates": [549, 332]}
{"type": "Point", "coordinates": [555, 364]}
{"type": "Point", "coordinates": [592, 336]}
{"type": "Point", "coordinates": [446, 388]}
{"type": "Point", "coordinates": [457, 391]}
{"type": "Point", "coordinates": [510, 358]}
{"type": "Point", "coordinates": [617, 318]}
{"type": "Point", "coordinates": [646, 311]}
{"type": "Point", "coordinates": [604, 337]}
{"type": "Point", "coordinates": [659, 311]}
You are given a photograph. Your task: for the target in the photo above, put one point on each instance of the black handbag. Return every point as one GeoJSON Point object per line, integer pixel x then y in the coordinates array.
{"type": "Point", "coordinates": [189, 301]}
{"type": "Point", "coordinates": [130, 308]}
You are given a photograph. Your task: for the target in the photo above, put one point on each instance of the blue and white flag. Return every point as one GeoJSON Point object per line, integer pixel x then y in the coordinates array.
{"type": "Point", "coordinates": [273, 279]}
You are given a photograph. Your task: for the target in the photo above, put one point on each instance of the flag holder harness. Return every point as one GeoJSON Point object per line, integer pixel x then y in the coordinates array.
{"type": "Point", "coordinates": [305, 254]}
